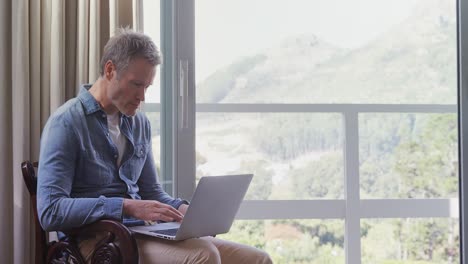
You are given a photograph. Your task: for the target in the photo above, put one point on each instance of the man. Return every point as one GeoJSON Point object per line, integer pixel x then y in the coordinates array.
{"type": "Point", "coordinates": [96, 161]}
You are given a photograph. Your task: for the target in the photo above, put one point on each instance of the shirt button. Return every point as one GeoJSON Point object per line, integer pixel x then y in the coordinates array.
{"type": "Point", "coordinates": [115, 156]}
{"type": "Point", "coordinates": [103, 115]}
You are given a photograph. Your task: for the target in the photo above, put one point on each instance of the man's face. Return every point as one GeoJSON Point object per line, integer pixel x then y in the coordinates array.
{"type": "Point", "coordinates": [127, 89]}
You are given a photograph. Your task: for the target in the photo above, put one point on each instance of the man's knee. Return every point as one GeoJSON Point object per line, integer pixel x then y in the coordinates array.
{"type": "Point", "coordinates": [208, 254]}
{"type": "Point", "coordinates": [263, 258]}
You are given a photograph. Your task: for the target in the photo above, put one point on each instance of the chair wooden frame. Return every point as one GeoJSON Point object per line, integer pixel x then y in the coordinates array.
{"type": "Point", "coordinates": [118, 245]}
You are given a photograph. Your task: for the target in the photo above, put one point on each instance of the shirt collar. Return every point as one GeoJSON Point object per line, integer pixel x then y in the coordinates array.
{"type": "Point", "coordinates": [90, 103]}
{"type": "Point", "coordinates": [87, 99]}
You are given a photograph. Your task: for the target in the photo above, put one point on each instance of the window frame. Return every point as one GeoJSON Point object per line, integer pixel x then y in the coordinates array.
{"type": "Point", "coordinates": [462, 35]}
{"type": "Point", "coordinates": [178, 115]}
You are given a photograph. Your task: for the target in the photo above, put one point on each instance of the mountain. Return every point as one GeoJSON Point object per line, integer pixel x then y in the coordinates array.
{"type": "Point", "coordinates": [413, 62]}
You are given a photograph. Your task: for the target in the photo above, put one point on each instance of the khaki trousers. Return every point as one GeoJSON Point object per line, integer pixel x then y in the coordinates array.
{"type": "Point", "coordinates": [196, 250]}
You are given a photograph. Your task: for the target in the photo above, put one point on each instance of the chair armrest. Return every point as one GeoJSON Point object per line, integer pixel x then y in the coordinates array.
{"type": "Point", "coordinates": [118, 245]}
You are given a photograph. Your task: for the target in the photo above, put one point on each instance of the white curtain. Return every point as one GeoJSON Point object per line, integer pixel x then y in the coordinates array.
{"type": "Point", "coordinates": [47, 48]}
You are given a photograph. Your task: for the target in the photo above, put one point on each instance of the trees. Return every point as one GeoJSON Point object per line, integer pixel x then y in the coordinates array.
{"type": "Point", "coordinates": [427, 165]}
{"type": "Point", "coordinates": [427, 168]}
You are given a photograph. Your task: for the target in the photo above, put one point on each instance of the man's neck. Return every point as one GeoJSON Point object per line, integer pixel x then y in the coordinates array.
{"type": "Point", "coordinates": [98, 91]}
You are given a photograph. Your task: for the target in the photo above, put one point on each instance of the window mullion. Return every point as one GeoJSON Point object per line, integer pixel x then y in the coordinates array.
{"type": "Point", "coordinates": [351, 160]}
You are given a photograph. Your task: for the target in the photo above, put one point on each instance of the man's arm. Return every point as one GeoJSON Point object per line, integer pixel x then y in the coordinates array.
{"type": "Point", "coordinates": [156, 204]}
{"type": "Point", "coordinates": [149, 187]}
{"type": "Point", "coordinates": [57, 210]}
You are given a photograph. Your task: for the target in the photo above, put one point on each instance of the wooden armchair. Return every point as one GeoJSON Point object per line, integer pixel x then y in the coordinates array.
{"type": "Point", "coordinates": [119, 246]}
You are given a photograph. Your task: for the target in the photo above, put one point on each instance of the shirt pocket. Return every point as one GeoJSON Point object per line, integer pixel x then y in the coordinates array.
{"type": "Point", "coordinates": [138, 160]}
{"type": "Point", "coordinates": [93, 169]}
{"type": "Point", "coordinates": [141, 150]}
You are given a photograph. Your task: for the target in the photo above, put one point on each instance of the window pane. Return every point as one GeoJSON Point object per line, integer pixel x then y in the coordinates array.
{"type": "Point", "coordinates": [326, 51]}
{"type": "Point", "coordinates": [410, 241]}
{"type": "Point", "coordinates": [292, 156]}
{"type": "Point", "coordinates": [151, 25]}
{"type": "Point", "coordinates": [293, 241]}
{"type": "Point", "coordinates": [408, 155]}
{"type": "Point", "coordinates": [155, 121]}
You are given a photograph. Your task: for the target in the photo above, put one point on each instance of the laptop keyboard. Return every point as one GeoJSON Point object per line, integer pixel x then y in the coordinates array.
{"type": "Point", "coordinates": [169, 232]}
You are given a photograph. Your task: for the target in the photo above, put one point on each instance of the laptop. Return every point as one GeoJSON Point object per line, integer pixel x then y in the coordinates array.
{"type": "Point", "coordinates": [212, 209]}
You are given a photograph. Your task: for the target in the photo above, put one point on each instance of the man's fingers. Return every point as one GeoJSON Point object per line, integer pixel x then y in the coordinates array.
{"type": "Point", "coordinates": [170, 211]}
{"type": "Point", "coordinates": [166, 213]}
{"type": "Point", "coordinates": [175, 216]}
{"type": "Point", "coordinates": [166, 217]}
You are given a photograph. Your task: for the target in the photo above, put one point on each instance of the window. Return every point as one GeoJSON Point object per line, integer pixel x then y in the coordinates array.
{"type": "Point", "coordinates": [344, 111]}
{"type": "Point", "coordinates": [152, 107]}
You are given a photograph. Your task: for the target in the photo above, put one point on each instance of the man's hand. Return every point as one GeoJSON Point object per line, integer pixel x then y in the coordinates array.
{"type": "Point", "coordinates": [183, 208]}
{"type": "Point", "coordinates": [151, 210]}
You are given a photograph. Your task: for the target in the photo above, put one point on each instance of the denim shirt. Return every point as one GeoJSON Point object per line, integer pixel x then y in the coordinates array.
{"type": "Point", "coordinates": [79, 181]}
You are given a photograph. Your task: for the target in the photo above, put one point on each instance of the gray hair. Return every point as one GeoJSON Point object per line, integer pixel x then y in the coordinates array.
{"type": "Point", "coordinates": [127, 45]}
